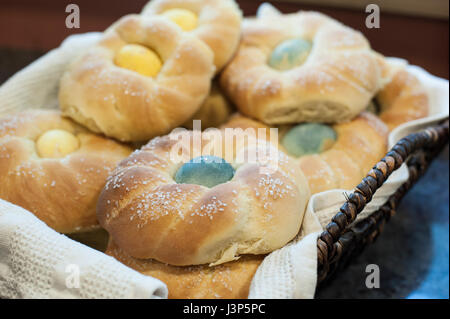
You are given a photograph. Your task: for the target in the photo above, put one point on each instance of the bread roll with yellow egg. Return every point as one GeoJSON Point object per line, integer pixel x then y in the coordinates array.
{"type": "Point", "coordinates": [301, 67]}
{"type": "Point", "coordinates": [55, 168]}
{"type": "Point", "coordinates": [215, 22]}
{"type": "Point", "coordinates": [178, 202]}
{"type": "Point", "coordinates": [142, 79]}
{"type": "Point", "coordinates": [226, 281]}
{"type": "Point", "coordinates": [330, 156]}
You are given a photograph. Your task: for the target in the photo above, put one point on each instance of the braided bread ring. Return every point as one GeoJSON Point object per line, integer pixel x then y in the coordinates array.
{"type": "Point", "coordinates": [228, 281]}
{"type": "Point", "coordinates": [359, 144]}
{"type": "Point", "coordinates": [334, 84]}
{"type": "Point", "coordinates": [149, 215]}
{"type": "Point", "coordinates": [403, 98]}
{"type": "Point", "coordinates": [219, 24]}
{"type": "Point", "coordinates": [130, 106]}
{"type": "Point", "coordinates": [63, 191]}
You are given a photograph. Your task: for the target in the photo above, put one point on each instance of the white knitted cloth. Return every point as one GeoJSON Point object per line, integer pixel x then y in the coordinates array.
{"type": "Point", "coordinates": [36, 262]}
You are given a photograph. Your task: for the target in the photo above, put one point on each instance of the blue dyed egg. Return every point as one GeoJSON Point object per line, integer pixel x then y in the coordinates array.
{"type": "Point", "coordinates": [308, 138]}
{"type": "Point", "coordinates": [208, 171]}
{"type": "Point", "coordinates": [289, 54]}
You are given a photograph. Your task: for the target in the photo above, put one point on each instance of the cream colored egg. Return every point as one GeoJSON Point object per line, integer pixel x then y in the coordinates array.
{"type": "Point", "coordinates": [138, 58]}
{"type": "Point", "coordinates": [186, 19]}
{"type": "Point", "coordinates": [57, 143]}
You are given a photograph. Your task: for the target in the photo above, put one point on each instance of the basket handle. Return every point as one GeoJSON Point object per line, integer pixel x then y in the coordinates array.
{"type": "Point", "coordinates": [356, 201]}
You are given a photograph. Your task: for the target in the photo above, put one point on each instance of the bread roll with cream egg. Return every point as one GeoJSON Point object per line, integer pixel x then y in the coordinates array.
{"type": "Point", "coordinates": [55, 168]}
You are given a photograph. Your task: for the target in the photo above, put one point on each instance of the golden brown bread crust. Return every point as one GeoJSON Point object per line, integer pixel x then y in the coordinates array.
{"type": "Point", "coordinates": [238, 120]}
{"type": "Point", "coordinates": [149, 215]}
{"type": "Point", "coordinates": [62, 192]}
{"type": "Point", "coordinates": [403, 98]}
{"type": "Point", "coordinates": [335, 83]}
{"type": "Point", "coordinates": [214, 111]}
{"type": "Point", "coordinates": [125, 104]}
{"type": "Point", "coordinates": [219, 24]}
{"type": "Point", "coordinates": [226, 281]}
{"type": "Point", "coordinates": [360, 144]}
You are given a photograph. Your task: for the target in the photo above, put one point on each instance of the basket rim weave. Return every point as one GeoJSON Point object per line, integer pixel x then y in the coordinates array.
{"type": "Point", "coordinates": [340, 239]}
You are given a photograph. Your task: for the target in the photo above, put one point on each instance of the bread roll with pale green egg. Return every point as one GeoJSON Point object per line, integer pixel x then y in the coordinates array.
{"type": "Point", "coordinates": [301, 67]}
{"type": "Point", "coordinates": [330, 156]}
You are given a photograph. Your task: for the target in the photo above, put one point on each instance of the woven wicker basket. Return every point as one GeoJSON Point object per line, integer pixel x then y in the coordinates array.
{"type": "Point", "coordinates": [344, 236]}
{"type": "Point", "coordinates": [341, 240]}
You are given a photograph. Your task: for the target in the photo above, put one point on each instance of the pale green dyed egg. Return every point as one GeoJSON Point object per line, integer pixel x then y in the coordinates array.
{"type": "Point", "coordinates": [208, 171]}
{"type": "Point", "coordinates": [308, 138]}
{"type": "Point", "coordinates": [289, 54]}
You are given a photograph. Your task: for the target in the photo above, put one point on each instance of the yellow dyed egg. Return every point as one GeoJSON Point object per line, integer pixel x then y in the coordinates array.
{"type": "Point", "coordinates": [138, 58]}
{"type": "Point", "coordinates": [186, 20]}
{"type": "Point", "coordinates": [57, 143]}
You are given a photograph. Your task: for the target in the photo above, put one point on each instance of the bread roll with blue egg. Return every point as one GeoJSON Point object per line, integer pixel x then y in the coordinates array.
{"type": "Point", "coordinates": [142, 79]}
{"type": "Point", "coordinates": [190, 206]}
{"type": "Point", "coordinates": [301, 67]}
{"type": "Point", "coordinates": [330, 156]}
{"type": "Point", "coordinates": [55, 168]}
{"type": "Point", "coordinates": [215, 22]}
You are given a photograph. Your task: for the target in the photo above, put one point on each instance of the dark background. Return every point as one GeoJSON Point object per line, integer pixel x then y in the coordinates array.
{"type": "Point", "coordinates": [40, 25]}
{"type": "Point", "coordinates": [412, 252]}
